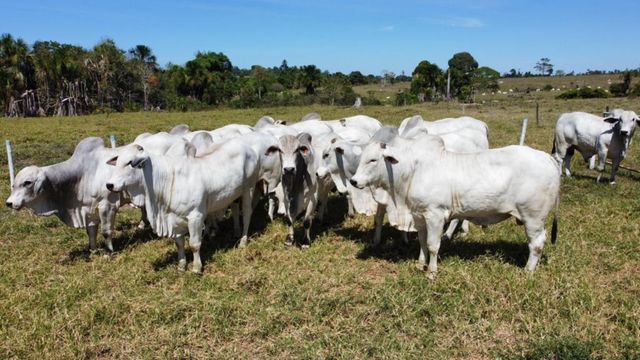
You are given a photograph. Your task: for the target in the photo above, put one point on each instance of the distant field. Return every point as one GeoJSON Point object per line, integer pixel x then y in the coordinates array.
{"type": "Point", "coordinates": [342, 298]}
{"type": "Point", "coordinates": [518, 86]}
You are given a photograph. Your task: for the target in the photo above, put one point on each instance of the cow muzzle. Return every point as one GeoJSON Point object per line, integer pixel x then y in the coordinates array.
{"type": "Point", "coordinates": [354, 183]}
{"type": "Point", "coordinates": [624, 133]}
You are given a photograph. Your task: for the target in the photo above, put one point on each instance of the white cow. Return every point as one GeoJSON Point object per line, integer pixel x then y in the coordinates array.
{"type": "Point", "coordinates": [363, 123]}
{"type": "Point", "coordinates": [444, 125]}
{"type": "Point", "coordinates": [591, 135]}
{"type": "Point", "coordinates": [181, 190]}
{"type": "Point", "coordinates": [485, 187]}
{"type": "Point", "coordinates": [299, 183]}
{"type": "Point", "coordinates": [223, 133]}
{"type": "Point", "coordinates": [73, 190]}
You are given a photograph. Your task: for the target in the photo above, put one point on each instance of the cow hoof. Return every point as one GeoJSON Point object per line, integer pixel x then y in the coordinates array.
{"type": "Point", "coordinates": [196, 270]}
{"type": "Point", "coordinates": [141, 225]}
{"type": "Point", "coordinates": [288, 243]}
{"type": "Point", "coordinates": [182, 265]}
{"type": "Point", "coordinates": [243, 243]}
{"type": "Point", "coordinates": [304, 246]}
{"type": "Point", "coordinates": [431, 275]}
{"type": "Point", "coordinates": [420, 266]}
{"type": "Point", "coordinates": [612, 183]}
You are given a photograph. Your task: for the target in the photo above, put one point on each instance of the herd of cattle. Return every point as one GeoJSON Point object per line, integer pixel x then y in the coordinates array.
{"type": "Point", "coordinates": [427, 177]}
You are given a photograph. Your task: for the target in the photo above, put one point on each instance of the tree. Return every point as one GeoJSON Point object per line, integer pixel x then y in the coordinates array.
{"type": "Point", "coordinates": [426, 79]}
{"type": "Point", "coordinates": [145, 63]}
{"type": "Point", "coordinates": [309, 78]}
{"type": "Point", "coordinates": [357, 78]}
{"type": "Point", "coordinates": [462, 66]}
{"type": "Point", "coordinates": [486, 78]}
{"type": "Point", "coordinates": [544, 66]}
{"type": "Point", "coordinates": [210, 77]}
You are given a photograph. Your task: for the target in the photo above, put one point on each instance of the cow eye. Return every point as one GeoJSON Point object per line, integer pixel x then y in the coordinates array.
{"type": "Point", "coordinates": [373, 160]}
{"type": "Point", "coordinates": [303, 149]}
{"type": "Point", "coordinates": [324, 156]}
{"type": "Point", "coordinates": [27, 183]}
{"type": "Point", "coordinates": [128, 164]}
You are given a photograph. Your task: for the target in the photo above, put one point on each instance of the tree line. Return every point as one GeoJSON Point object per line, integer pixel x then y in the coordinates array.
{"type": "Point", "coordinates": [51, 78]}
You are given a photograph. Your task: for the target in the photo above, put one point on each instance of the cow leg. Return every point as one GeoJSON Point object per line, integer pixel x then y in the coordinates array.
{"type": "Point", "coordinates": [567, 161]}
{"type": "Point", "coordinates": [196, 225]}
{"type": "Point", "coordinates": [144, 222]}
{"type": "Point", "coordinates": [405, 237]}
{"type": "Point", "coordinates": [614, 169]}
{"type": "Point", "coordinates": [289, 239]}
{"type": "Point", "coordinates": [92, 232]}
{"type": "Point", "coordinates": [182, 259]}
{"type": "Point", "coordinates": [247, 210]}
{"type": "Point", "coordinates": [537, 236]}
{"type": "Point", "coordinates": [107, 215]}
{"type": "Point", "coordinates": [422, 239]}
{"type": "Point", "coordinates": [435, 224]}
{"type": "Point", "coordinates": [465, 228]}
{"type": "Point", "coordinates": [272, 205]}
{"type": "Point", "coordinates": [592, 162]}
{"type": "Point", "coordinates": [602, 160]}
{"type": "Point", "coordinates": [451, 229]}
{"type": "Point", "coordinates": [308, 221]}
{"type": "Point", "coordinates": [377, 235]}
{"type": "Point", "coordinates": [351, 211]}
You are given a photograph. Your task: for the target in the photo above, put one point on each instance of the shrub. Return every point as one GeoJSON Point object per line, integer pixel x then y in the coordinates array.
{"type": "Point", "coordinates": [583, 93]}
{"type": "Point", "coordinates": [405, 98]}
{"type": "Point", "coordinates": [635, 92]}
{"type": "Point", "coordinates": [547, 87]}
{"type": "Point", "coordinates": [618, 89]}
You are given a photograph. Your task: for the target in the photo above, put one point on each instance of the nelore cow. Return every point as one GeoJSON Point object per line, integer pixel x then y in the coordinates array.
{"type": "Point", "coordinates": [181, 190]}
{"type": "Point", "coordinates": [442, 126]}
{"type": "Point", "coordinates": [486, 187]}
{"type": "Point", "coordinates": [299, 183]}
{"type": "Point", "coordinates": [607, 137]}
{"type": "Point", "coordinates": [73, 190]}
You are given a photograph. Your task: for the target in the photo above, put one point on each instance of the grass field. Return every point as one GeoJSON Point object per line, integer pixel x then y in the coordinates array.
{"type": "Point", "coordinates": [342, 298]}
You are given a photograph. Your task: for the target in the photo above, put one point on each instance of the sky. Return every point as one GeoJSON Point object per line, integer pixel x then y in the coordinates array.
{"type": "Point", "coordinates": [365, 35]}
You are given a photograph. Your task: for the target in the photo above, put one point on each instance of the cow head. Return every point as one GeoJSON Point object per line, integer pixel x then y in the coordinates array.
{"type": "Point", "coordinates": [126, 177]}
{"type": "Point", "coordinates": [375, 164]}
{"type": "Point", "coordinates": [297, 159]}
{"type": "Point", "coordinates": [271, 166]}
{"type": "Point", "coordinates": [28, 189]}
{"type": "Point", "coordinates": [626, 120]}
{"type": "Point", "coordinates": [339, 161]}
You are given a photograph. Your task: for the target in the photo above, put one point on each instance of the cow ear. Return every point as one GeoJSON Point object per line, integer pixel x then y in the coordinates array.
{"type": "Point", "coordinates": [112, 161]}
{"type": "Point", "coordinates": [304, 138]}
{"type": "Point", "coordinates": [190, 150]}
{"type": "Point", "coordinates": [612, 120]}
{"type": "Point", "coordinates": [138, 162]}
{"type": "Point", "coordinates": [304, 150]}
{"type": "Point", "coordinates": [272, 149]}
{"type": "Point", "coordinates": [343, 122]}
{"type": "Point", "coordinates": [390, 156]}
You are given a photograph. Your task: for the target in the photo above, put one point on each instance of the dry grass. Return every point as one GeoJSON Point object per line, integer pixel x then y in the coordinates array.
{"type": "Point", "coordinates": [341, 298]}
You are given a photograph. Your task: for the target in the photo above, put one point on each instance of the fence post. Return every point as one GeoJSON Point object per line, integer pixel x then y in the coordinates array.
{"type": "Point", "coordinates": [112, 138]}
{"type": "Point", "coordinates": [12, 176]}
{"type": "Point", "coordinates": [524, 130]}
{"type": "Point", "coordinates": [537, 114]}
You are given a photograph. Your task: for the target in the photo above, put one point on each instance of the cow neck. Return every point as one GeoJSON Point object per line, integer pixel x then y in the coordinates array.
{"type": "Point", "coordinates": [158, 179]}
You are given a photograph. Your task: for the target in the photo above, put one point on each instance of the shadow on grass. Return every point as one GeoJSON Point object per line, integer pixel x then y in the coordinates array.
{"type": "Point", "coordinates": [463, 248]}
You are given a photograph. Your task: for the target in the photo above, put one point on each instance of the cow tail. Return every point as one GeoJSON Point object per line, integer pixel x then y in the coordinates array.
{"type": "Point", "coordinates": [553, 150]}
{"type": "Point", "coordinates": [554, 226]}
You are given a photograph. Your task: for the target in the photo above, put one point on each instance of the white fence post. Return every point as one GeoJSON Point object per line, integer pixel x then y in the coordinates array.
{"type": "Point", "coordinates": [524, 130]}
{"type": "Point", "coordinates": [12, 176]}
{"type": "Point", "coordinates": [112, 138]}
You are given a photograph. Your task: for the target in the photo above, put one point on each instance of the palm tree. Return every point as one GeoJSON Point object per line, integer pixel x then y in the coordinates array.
{"type": "Point", "coordinates": [146, 63]}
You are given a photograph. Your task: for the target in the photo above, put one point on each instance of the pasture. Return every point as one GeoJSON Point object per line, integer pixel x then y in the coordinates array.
{"type": "Point", "coordinates": [342, 298]}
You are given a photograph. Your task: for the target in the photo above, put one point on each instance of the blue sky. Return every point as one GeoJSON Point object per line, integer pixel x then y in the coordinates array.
{"type": "Point", "coordinates": [365, 35]}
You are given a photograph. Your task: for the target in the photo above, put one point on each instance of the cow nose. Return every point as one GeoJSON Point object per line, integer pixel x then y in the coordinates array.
{"type": "Point", "coordinates": [9, 204]}
{"type": "Point", "coordinates": [353, 182]}
{"type": "Point", "coordinates": [288, 170]}
{"type": "Point", "coordinates": [110, 186]}
{"type": "Point", "coordinates": [624, 133]}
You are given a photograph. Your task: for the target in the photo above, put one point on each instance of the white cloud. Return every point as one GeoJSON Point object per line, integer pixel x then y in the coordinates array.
{"type": "Point", "coordinates": [388, 28]}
